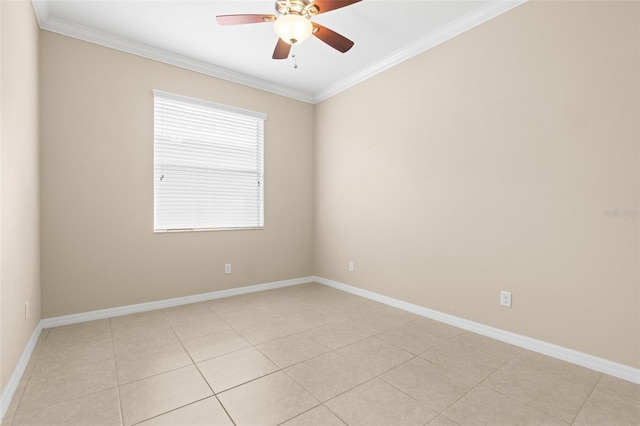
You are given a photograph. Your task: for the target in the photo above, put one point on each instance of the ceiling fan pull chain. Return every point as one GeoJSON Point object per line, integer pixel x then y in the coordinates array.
{"type": "Point", "coordinates": [295, 60]}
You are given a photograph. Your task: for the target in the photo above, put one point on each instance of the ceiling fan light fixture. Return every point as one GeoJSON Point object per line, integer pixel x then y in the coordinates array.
{"type": "Point", "coordinates": [293, 29]}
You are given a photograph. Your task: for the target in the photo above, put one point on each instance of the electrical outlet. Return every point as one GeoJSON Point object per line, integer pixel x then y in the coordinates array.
{"type": "Point", "coordinates": [351, 266]}
{"type": "Point", "coordinates": [505, 298]}
{"type": "Point", "coordinates": [227, 268]}
{"type": "Point", "coordinates": [26, 310]}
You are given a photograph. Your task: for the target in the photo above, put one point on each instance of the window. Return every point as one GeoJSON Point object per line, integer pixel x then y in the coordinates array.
{"type": "Point", "coordinates": [208, 165]}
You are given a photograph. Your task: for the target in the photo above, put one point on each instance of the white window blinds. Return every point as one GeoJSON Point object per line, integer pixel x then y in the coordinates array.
{"type": "Point", "coordinates": [208, 165]}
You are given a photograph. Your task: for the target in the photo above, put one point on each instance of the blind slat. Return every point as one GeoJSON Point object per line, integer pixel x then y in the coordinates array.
{"type": "Point", "coordinates": [208, 165]}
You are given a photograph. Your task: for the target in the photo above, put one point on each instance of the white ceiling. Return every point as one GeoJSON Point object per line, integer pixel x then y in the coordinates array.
{"type": "Point", "coordinates": [185, 33]}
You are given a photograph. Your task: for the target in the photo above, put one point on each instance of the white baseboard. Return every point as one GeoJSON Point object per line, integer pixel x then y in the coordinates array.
{"type": "Point", "coordinates": [14, 380]}
{"type": "Point", "coordinates": [585, 360]}
{"type": "Point", "coordinates": [167, 303]}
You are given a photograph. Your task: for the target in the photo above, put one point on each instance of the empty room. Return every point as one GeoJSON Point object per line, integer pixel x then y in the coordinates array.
{"type": "Point", "coordinates": [319, 212]}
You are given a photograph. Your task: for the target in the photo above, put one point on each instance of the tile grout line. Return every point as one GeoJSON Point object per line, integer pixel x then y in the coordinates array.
{"type": "Point", "coordinates": [320, 404]}
{"type": "Point", "coordinates": [402, 391]}
{"type": "Point", "coordinates": [511, 396]}
{"type": "Point", "coordinates": [77, 398]}
{"type": "Point", "coordinates": [113, 348]}
{"type": "Point", "coordinates": [587, 399]}
{"type": "Point", "coordinates": [171, 411]}
{"type": "Point", "coordinates": [59, 369]}
{"type": "Point", "coordinates": [477, 384]}
{"type": "Point", "coordinates": [522, 353]}
{"type": "Point", "coordinates": [485, 379]}
{"type": "Point", "coordinates": [153, 375]}
{"type": "Point", "coordinates": [249, 381]}
{"type": "Point", "coordinates": [445, 368]}
{"type": "Point", "coordinates": [296, 363]}
{"type": "Point", "coordinates": [527, 405]}
{"type": "Point", "coordinates": [464, 377]}
{"type": "Point", "coordinates": [31, 377]}
{"type": "Point", "coordinates": [343, 392]}
{"type": "Point", "coordinates": [215, 395]}
{"type": "Point", "coordinates": [335, 414]}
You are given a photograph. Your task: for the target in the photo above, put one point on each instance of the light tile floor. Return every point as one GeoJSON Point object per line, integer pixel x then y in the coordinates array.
{"type": "Point", "coordinates": [303, 355]}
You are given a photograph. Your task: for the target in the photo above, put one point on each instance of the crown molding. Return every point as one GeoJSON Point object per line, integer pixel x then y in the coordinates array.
{"type": "Point", "coordinates": [457, 27]}
{"type": "Point", "coordinates": [42, 11]}
{"type": "Point", "coordinates": [81, 32]}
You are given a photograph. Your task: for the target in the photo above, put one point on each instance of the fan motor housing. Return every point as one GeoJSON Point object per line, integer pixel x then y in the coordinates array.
{"type": "Point", "coordinates": [304, 8]}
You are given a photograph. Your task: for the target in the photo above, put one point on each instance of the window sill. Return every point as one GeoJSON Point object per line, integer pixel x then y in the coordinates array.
{"type": "Point", "coordinates": [171, 231]}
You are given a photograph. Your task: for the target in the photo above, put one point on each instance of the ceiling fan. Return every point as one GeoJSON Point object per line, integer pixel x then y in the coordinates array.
{"type": "Point", "coordinates": [293, 24]}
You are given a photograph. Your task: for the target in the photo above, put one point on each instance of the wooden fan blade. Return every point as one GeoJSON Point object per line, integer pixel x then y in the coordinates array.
{"type": "Point", "coordinates": [282, 50]}
{"type": "Point", "coordinates": [244, 19]}
{"type": "Point", "coordinates": [327, 5]}
{"type": "Point", "coordinates": [332, 38]}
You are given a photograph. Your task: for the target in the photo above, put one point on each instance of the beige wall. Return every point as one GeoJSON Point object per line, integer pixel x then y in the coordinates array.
{"type": "Point", "coordinates": [19, 215]}
{"type": "Point", "coordinates": [98, 245]}
{"type": "Point", "coordinates": [488, 163]}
